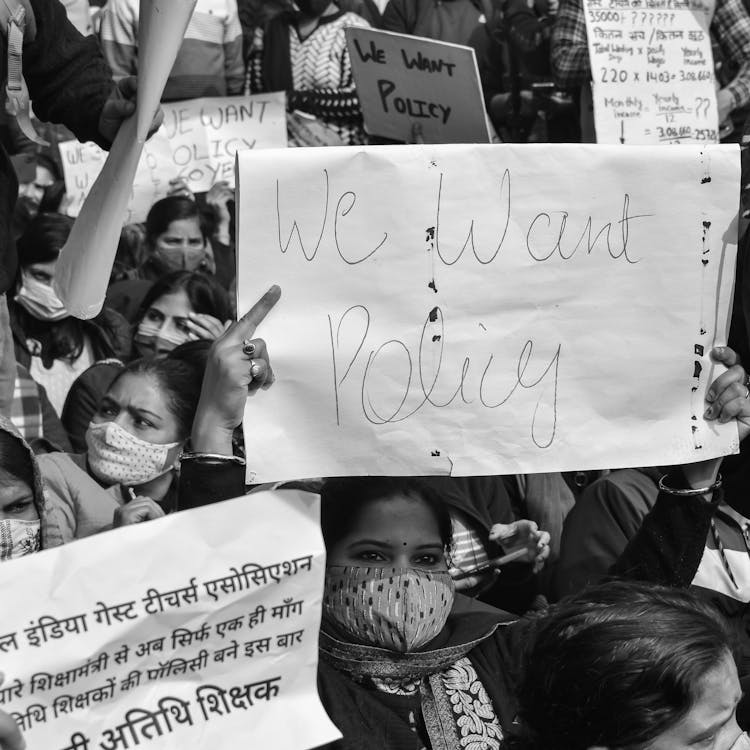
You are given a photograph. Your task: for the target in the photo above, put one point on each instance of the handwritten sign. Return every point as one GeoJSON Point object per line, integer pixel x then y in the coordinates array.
{"type": "Point", "coordinates": [404, 81]}
{"type": "Point", "coordinates": [487, 309]}
{"type": "Point", "coordinates": [197, 630]}
{"type": "Point", "coordinates": [196, 143]}
{"type": "Point", "coordinates": [653, 71]}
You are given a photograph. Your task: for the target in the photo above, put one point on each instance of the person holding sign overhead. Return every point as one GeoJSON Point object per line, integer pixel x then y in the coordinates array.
{"type": "Point", "coordinates": [440, 663]}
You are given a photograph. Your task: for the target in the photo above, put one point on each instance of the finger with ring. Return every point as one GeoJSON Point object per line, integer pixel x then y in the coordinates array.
{"type": "Point", "coordinates": [248, 348]}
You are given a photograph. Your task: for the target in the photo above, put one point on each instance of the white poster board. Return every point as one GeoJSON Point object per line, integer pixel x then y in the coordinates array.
{"type": "Point", "coordinates": [487, 309]}
{"type": "Point", "coordinates": [404, 80]}
{"type": "Point", "coordinates": [653, 72]}
{"type": "Point", "coordinates": [197, 143]}
{"type": "Point", "coordinates": [193, 631]}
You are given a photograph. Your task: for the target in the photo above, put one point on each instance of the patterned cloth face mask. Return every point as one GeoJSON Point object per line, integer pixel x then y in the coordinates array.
{"type": "Point", "coordinates": [400, 609]}
{"type": "Point", "coordinates": [117, 457]}
{"type": "Point", "coordinates": [19, 538]}
{"type": "Point", "coordinates": [39, 299]}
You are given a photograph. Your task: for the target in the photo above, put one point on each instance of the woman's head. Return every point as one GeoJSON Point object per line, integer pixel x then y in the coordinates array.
{"type": "Point", "coordinates": [625, 665]}
{"type": "Point", "coordinates": [384, 522]}
{"type": "Point", "coordinates": [19, 514]}
{"type": "Point", "coordinates": [38, 250]}
{"type": "Point", "coordinates": [143, 420]}
{"type": "Point", "coordinates": [176, 235]}
{"type": "Point", "coordinates": [162, 321]}
{"type": "Point", "coordinates": [387, 581]}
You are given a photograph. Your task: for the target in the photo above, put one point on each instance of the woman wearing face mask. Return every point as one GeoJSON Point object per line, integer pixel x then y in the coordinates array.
{"type": "Point", "coordinates": [37, 493]}
{"type": "Point", "coordinates": [181, 307]}
{"type": "Point", "coordinates": [405, 661]}
{"type": "Point", "coordinates": [52, 345]}
{"type": "Point", "coordinates": [136, 436]}
{"type": "Point", "coordinates": [22, 503]}
{"type": "Point", "coordinates": [176, 239]}
{"type": "Point", "coordinates": [303, 52]}
{"type": "Point", "coordinates": [625, 665]}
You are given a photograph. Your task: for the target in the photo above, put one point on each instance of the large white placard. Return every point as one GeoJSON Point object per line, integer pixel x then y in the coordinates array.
{"type": "Point", "coordinates": [193, 631]}
{"type": "Point", "coordinates": [487, 309]}
{"type": "Point", "coordinates": [652, 70]}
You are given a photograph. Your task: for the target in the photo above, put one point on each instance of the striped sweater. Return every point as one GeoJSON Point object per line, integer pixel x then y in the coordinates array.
{"type": "Point", "coordinates": [209, 62]}
{"type": "Point", "coordinates": [321, 74]}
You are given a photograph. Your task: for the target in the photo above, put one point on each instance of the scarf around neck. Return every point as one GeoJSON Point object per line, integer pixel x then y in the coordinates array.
{"type": "Point", "coordinates": [434, 668]}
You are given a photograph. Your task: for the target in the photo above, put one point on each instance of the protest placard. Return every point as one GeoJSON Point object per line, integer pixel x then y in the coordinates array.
{"type": "Point", "coordinates": [403, 81]}
{"type": "Point", "coordinates": [197, 143]}
{"type": "Point", "coordinates": [487, 309]}
{"type": "Point", "coordinates": [82, 163]}
{"type": "Point", "coordinates": [652, 70]}
{"type": "Point", "coordinates": [193, 631]}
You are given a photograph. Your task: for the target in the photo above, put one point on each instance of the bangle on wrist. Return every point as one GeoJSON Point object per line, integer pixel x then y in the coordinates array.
{"type": "Point", "coordinates": [692, 492]}
{"type": "Point", "coordinates": [211, 458]}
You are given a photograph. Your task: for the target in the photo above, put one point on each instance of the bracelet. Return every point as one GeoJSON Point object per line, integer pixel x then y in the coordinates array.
{"type": "Point", "coordinates": [211, 458]}
{"type": "Point", "coordinates": [691, 492]}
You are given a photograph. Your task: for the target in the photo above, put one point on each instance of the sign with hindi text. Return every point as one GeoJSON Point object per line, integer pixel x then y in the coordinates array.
{"type": "Point", "coordinates": [652, 70]}
{"type": "Point", "coordinates": [487, 309]}
{"type": "Point", "coordinates": [193, 631]}
{"type": "Point", "coordinates": [403, 81]}
{"type": "Point", "coordinates": [196, 143]}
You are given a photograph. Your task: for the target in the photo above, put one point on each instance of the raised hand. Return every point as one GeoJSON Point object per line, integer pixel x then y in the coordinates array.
{"type": "Point", "coordinates": [238, 365]}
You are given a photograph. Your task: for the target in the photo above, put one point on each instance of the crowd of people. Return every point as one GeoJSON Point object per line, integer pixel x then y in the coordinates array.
{"type": "Point", "coordinates": [565, 611]}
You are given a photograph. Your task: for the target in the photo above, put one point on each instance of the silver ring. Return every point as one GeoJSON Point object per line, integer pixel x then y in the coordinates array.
{"type": "Point", "coordinates": [248, 348]}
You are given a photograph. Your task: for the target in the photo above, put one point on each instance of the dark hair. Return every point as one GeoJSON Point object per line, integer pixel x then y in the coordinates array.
{"type": "Point", "coordinates": [617, 665]}
{"type": "Point", "coordinates": [15, 459]}
{"type": "Point", "coordinates": [43, 238]}
{"type": "Point", "coordinates": [61, 339]}
{"type": "Point", "coordinates": [169, 209]}
{"type": "Point", "coordinates": [195, 353]}
{"type": "Point", "coordinates": [344, 499]}
{"type": "Point", "coordinates": [205, 294]}
{"type": "Point", "coordinates": [180, 380]}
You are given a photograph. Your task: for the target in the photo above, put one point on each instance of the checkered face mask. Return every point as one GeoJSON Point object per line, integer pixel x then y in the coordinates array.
{"type": "Point", "coordinates": [400, 609]}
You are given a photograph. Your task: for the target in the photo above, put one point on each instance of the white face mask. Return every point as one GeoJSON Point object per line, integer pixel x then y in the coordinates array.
{"type": "Point", "coordinates": [149, 334]}
{"type": "Point", "coordinates": [19, 538]}
{"type": "Point", "coordinates": [39, 299]}
{"type": "Point", "coordinates": [117, 457]}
